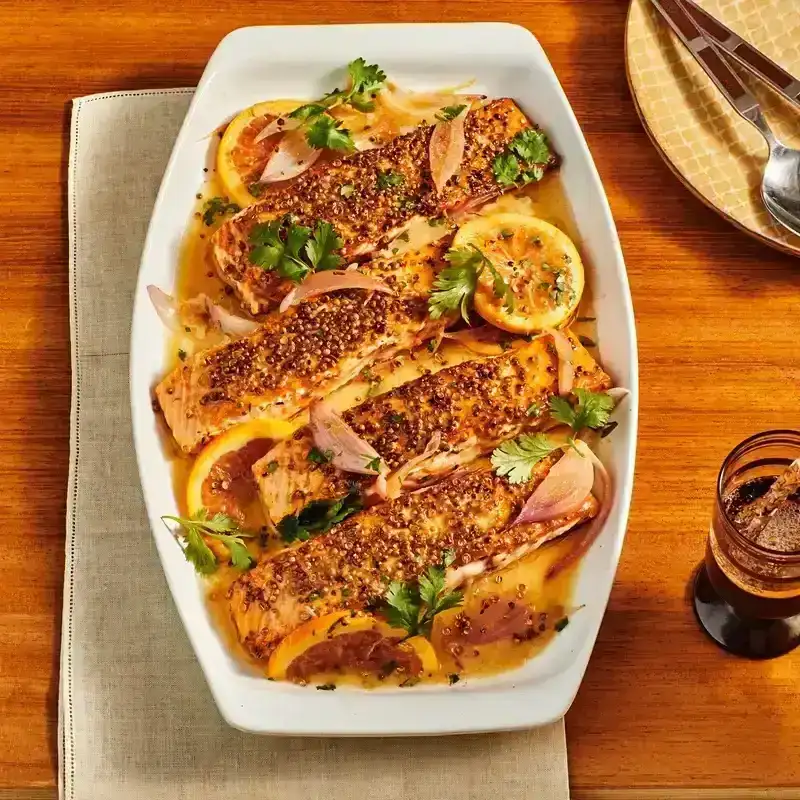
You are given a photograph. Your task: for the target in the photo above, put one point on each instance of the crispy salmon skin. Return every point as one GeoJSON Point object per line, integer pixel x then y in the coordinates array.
{"type": "Point", "coordinates": [390, 186]}
{"type": "Point", "coordinates": [302, 354]}
{"type": "Point", "coordinates": [471, 408]}
{"type": "Point", "coordinates": [348, 568]}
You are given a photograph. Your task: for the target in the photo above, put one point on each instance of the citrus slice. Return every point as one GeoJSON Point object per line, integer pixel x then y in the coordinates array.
{"type": "Point", "coordinates": [323, 629]}
{"type": "Point", "coordinates": [240, 159]}
{"type": "Point", "coordinates": [538, 262]}
{"type": "Point", "coordinates": [425, 652]}
{"type": "Point", "coordinates": [221, 479]}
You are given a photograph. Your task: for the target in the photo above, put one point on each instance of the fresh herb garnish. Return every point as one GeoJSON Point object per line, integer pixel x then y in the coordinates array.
{"type": "Point", "coordinates": [272, 467]}
{"type": "Point", "coordinates": [455, 286]}
{"type": "Point", "coordinates": [293, 251]}
{"type": "Point", "coordinates": [449, 113]}
{"type": "Point", "coordinates": [388, 179]}
{"type": "Point", "coordinates": [413, 606]}
{"type": "Point", "coordinates": [453, 677]}
{"type": "Point", "coordinates": [218, 207]}
{"type": "Point", "coordinates": [561, 624]}
{"type": "Point", "coordinates": [396, 418]}
{"type": "Point", "coordinates": [523, 160]}
{"type": "Point", "coordinates": [256, 189]}
{"type": "Point", "coordinates": [220, 527]}
{"type": "Point", "coordinates": [326, 687]}
{"type": "Point", "coordinates": [591, 411]}
{"type": "Point", "coordinates": [318, 456]}
{"type": "Point", "coordinates": [325, 131]}
{"type": "Point", "coordinates": [534, 410]}
{"type": "Point", "coordinates": [517, 457]}
{"type": "Point", "coordinates": [182, 355]}
{"type": "Point", "coordinates": [373, 464]}
{"type": "Point", "coordinates": [318, 516]}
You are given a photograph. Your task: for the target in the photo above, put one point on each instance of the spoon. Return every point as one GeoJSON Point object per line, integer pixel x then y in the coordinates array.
{"type": "Point", "coordinates": [780, 184]}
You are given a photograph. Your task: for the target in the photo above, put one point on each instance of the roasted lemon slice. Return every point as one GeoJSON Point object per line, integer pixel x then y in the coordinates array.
{"type": "Point", "coordinates": [539, 264]}
{"type": "Point", "coordinates": [220, 479]}
{"type": "Point", "coordinates": [323, 629]}
{"type": "Point", "coordinates": [425, 652]}
{"type": "Point", "coordinates": [240, 159]}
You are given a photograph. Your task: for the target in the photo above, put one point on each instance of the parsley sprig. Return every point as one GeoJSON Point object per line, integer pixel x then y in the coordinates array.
{"type": "Point", "coordinates": [220, 527]}
{"type": "Point", "coordinates": [523, 160]}
{"type": "Point", "coordinates": [218, 207]}
{"type": "Point", "coordinates": [516, 458]}
{"type": "Point", "coordinates": [323, 130]}
{"type": "Point", "coordinates": [319, 516]}
{"type": "Point", "coordinates": [294, 251]}
{"type": "Point", "coordinates": [413, 606]}
{"type": "Point", "coordinates": [449, 113]}
{"type": "Point", "coordinates": [455, 286]}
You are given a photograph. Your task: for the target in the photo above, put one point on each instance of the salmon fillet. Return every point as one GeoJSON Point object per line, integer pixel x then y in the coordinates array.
{"type": "Point", "coordinates": [303, 354]}
{"type": "Point", "coordinates": [348, 567]}
{"type": "Point", "coordinates": [373, 212]}
{"type": "Point", "coordinates": [473, 406]}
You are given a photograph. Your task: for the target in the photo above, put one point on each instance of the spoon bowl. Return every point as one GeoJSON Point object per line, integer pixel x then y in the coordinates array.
{"type": "Point", "coordinates": [780, 186]}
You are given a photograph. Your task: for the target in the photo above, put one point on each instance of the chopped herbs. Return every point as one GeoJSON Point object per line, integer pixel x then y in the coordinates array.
{"type": "Point", "coordinates": [506, 233]}
{"type": "Point", "coordinates": [454, 288]}
{"type": "Point", "coordinates": [561, 624]}
{"type": "Point", "coordinates": [586, 341]}
{"type": "Point", "coordinates": [347, 190]}
{"type": "Point", "coordinates": [182, 355]}
{"type": "Point", "coordinates": [396, 418]}
{"type": "Point", "coordinates": [534, 410]}
{"type": "Point", "coordinates": [318, 516]}
{"type": "Point", "coordinates": [523, 160]}
{"type": "Point", "coordinates": [449, 113]}
{"type": "Point", "coordinates": [453, 677]}
{"type": "Point", "coordinates": [317, 456]}
{"type": "Point", "coordinates": [386, 180]}
{"type": "Point", "coordinates": [373, 464]}
{"type": "Point", "coordinates": [218, 207]}
{"type": "Point", "coordinates": [256, 189]}
{"type": "Point", "coordinates": [434, 222]}
{"type": "Point", "coordinates": [414, 606]}
{"type": "Point", "coordinates": [294, 251]}
{"type": "Point", "coordinates": [516, 458]}
{"type": "Point", "coordinates": [608, 428]}
{"type": "Point", "coordinates": [403, 237]}
{"type": "Point", "coordinates": [591, 411]}
{"type": "Point", "coordinates": [272, 467]}
{"type": "Point", "coordinates": [220, 527]}
{"type": "Point", "coordinates": [326, 687]}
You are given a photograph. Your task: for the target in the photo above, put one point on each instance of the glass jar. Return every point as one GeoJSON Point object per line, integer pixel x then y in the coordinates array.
{"type": "Point", "coordinates": [747, 592]}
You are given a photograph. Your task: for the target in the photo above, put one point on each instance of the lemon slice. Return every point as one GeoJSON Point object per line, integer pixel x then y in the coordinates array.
{"type": "Point", "coordinates": [425, 652]}
{"type": "Point", "coordinates": [319, 629]}
{"type": "Point", "coordinates": [240, 159]}
{"type": "Point", "coordinates": [220, 479]}
{"type": "Point", "coordinates": [540, 264]}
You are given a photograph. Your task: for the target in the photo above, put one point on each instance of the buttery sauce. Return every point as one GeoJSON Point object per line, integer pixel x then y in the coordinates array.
{"type": "Point", "coordinates": [521, 582]}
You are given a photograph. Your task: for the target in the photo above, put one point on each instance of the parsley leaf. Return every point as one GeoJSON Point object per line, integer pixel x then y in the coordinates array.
{"type": "Point", "coordinates": [386, 180]}
{"type": "Point", "coordinates": [318, 516]}
{"type": "Point", "coordinates": [220, 527]}
{"type": "Point", "coordinates": [365, 80]}
{"type": "Point", "coordinates": [523, 160]}
{"type": "Point", "coordinates": [218, 206]}
{"type": "Point", "coordinates": [321, 248]}
{"type": "Point", "coordinates": [373, 463]}
{"type": "Point", "coordinates": [308, 111]}
{"type": "Point", "coordinates": [325, 131]}
{"type": "Point", "coordinates": [449, 113]}
{"type": "Point", "coordinates": [591, 411]}
{"type": "Point", "coordinates": [293, 251]}
{"type": "Point", "coordinates": [414, 607]}
{"type": "Point", "coordinates": [317, 456]}
{"type": "Point", "coordinates": [501, 288]}
{"type": "Point", "coordinates": [517, 457]}
{"type": "Point", "coordinates": [561, 624]}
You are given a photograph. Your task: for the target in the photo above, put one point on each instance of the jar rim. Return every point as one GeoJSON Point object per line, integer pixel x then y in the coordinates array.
{"type": "Point", "coordinates": [741, 448]}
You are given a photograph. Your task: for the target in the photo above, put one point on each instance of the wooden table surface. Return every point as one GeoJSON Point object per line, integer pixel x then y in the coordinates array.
{"type": "Point", "coordinates": [662, 712]}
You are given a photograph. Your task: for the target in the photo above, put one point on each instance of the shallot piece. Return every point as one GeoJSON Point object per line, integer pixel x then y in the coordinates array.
{"type": "Point", "coordinates": [563, 490]}
{"type": "Point", "coordinates": [165, 306]}
{"type": "Point", "coordinates": [566, 367]}
{"type": "Point", "coordinates": [446, 150]}
{"type": "Point", "coordinates": [396, 480]}
{"type": "Point", "coordinates": [331, 281]}
{"type": "Point", "coordinates": [293, 156]}
{"type": "Point", "coordinates": [229, 323]}
{"type": "Point", "coordinates": [278, 125]}
{"type": "Point", "coordinates": [601, 489]}
{"type": "Point", "coordinates": [418, 107]}
{"type": "Point", "coordinates": [350, 452]}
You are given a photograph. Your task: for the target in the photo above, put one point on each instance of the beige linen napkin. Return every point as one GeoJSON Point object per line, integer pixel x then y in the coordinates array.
{"type": "Point", "coordinates": [137, 720]}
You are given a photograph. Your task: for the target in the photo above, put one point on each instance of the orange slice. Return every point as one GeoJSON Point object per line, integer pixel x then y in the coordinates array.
{"type": "Point", "coordinates": [240, 159]}
{"type": "Point", "coordinates": [425, 652]}
{"type": "Point", "coordinates": [221, 479]}
{"type": "Point", "coordinates": [538, 262]}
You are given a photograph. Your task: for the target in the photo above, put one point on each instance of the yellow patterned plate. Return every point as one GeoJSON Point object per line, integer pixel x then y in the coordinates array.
{"type": "Point", "coordinates": [716, 153]}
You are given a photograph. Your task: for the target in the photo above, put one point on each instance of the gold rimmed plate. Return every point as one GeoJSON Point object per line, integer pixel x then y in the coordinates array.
{"type": "Point", "coordinates": [718, 155]}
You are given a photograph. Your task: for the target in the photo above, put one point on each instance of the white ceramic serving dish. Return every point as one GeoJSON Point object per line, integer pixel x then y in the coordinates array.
{"type": "Point", "coordinates": [253, 64]}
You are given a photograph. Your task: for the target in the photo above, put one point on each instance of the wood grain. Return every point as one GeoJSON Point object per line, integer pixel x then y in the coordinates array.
{"type": "Point", "coordinates": [661, 708]}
